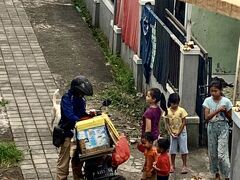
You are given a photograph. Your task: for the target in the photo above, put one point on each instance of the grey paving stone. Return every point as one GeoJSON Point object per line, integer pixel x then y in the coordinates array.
{"type": "Point", "coordinates": [44, 175]}
{"type": "Point", "coordinates": [15, 120]}
{"type": "Point", "coordinates": [42, 126]}
{"type": "Point", "coordinates": [18, 135]}
{"type": "Point", "coordinates": [36, 147]}
{"type": "Point", "coordinates": [20, 139]}
{"type": "Point", "coordinates": [46, 138]}
{"type": "Point", "coordinates": [26, 115]}
{"type": "Point", "coordinates": [27, 166]}
{"type": "Point", "coordinates": [41, 166]}
{"type": "Point", "coordinates": [27, 162]}
{"type": "Point", "coordinates": [23, 148]}
{"type": "Point", "coordinates": [40, 122]}
{"type": "Point", "coordinates": [21, 131]}
{"type": "Point", "coordinates": [49, 142]}
{"type": "Point", "coordinates": [52, 156]}
{"type": "Point", "coordinates": [33, 138]}
{"type": "Point", "coordinates": [26, 118]}
{"type": "Point", "coordinates": [50, 151]}
{"type": "Point", "coordinates": [16, 127]}
{"type": "Point", "coordinates": [46, 134]}
{"type": "Point", "coordinates": [21, 143]}
{"type": "Point", "coordinates": [27, 171]}
{"type": "Point", "coordinates": [28, 123]}
{"type": "Point", "coordinates": [30, 175]}
{"type": "Point", "coordinates": [16, 123]}
{"type": "Point", "coordinates": [33, 99]}
{"type": "Point", "coordinates": [34, 143]}
{"type": "Point", "coordinates": [52, 161]}
{"type": "Point", "coordinates": [13, 112]}
{"type": "Point", "coordinates": [38, 156]}
{"type": "Point", "coordinates": [39, 118]}
{"type": "Point", "coordinates": [37, 151]}
{"type": "Point", "coordinates": [32, 134]}
{"type": "Point", "coordinates": [29, 126]}
{"type": "Point", "coordinates": [39, 161]}
{"type": "Point", "coordinates": [31, 130]}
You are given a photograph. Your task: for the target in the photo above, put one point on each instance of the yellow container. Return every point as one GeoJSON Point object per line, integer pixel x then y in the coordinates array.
{"type": "Point", "coordinates": [92, 135]}
{"type": "Point", "coordinates": [90, 123]}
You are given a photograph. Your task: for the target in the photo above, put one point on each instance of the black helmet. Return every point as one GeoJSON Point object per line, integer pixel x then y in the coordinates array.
{"type": "Point", "coordinates": [81, 85]}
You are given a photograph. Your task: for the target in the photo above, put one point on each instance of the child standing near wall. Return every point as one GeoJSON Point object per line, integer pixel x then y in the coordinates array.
{"type": "Point", "coordinates": [162, 165]}
{"type": "Point", "coordinates": [151, 117]}
{"type": "Point", "coordinates": [217, 110]}
{"type": "Point", "coordinates": [150, 154]}
{"type": "Point", "coordinates": [176, 125]}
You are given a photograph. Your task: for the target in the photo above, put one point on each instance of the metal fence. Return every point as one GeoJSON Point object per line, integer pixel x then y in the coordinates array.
{"type": "Point", "coordinates": [173, 54]}
{"type": "Point", "coordinates": [174, 64]}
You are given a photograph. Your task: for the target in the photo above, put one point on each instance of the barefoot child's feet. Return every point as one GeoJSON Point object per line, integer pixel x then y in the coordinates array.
{"type": "Point", "coordinates": [217, 176]}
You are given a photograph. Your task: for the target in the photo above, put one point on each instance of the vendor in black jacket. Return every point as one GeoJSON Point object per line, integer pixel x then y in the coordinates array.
{"type": "Point", "coordinates": [73, 108]}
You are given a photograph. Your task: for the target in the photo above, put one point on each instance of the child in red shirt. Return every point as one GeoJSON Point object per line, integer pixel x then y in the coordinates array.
{"type": "Point", "coordinates": [162, 165]}
{"type": "Point", "coordinates": [150, 154]}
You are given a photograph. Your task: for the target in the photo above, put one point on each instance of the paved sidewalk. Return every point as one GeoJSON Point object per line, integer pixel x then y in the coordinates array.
{"type": "Point", "coordinates": [26, 82]}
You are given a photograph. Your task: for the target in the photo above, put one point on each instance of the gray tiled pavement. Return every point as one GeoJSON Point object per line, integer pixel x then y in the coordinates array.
{"type": "Point", "coordinates": [26, 82]}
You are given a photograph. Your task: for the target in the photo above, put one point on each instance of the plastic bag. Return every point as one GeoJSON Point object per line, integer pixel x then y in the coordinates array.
{"type": "Point", "coordinates": [141, 147]}
{"type": "Point", "coordinates": [122, 151]}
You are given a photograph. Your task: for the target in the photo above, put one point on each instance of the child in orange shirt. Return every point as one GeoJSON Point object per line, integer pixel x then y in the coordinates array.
{"type": "Point", "coordinates": [162, 165]}
{"type": "Point", "coordinates": [150, 157]}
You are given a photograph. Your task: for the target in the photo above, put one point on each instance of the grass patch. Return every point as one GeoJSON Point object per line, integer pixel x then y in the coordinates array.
{"type": "Point", "coordinates": [9, 154]}
{"type": "Point", "coordinates": [122, 92]}
{"type": "Point", "coordinates": [3, 103]}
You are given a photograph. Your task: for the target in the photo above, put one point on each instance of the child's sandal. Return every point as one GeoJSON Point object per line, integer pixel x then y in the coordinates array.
{"type": "Point", "coordinates": [184, 170]}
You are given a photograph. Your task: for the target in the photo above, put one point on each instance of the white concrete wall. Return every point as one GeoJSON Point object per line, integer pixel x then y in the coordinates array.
{"type": "Point", "coordinates": [235, 154]}
{"type": "Point", "coordinates": [89, 4]}
{"type": "Point", "coordinates": [127, 55]}
{"type": "Point", "coordinates": [106, 14]}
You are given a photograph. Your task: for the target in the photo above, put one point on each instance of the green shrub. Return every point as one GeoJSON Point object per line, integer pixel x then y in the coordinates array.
{"type": "Point", "coordinates": [3, 103]}
{"type": "Point", "coordinates": [9, 154]}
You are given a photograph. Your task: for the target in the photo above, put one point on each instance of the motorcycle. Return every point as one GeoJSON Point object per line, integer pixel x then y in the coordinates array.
{"type": "Point", "coordinates": [98, 166]}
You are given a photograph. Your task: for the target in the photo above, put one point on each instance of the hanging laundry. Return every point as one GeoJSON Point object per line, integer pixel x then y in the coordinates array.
{"type": "Point", "coordinates": [161, 61]}
{"type": "Point", "coordinates": [147, 21]}
{"type": "Point", "coordinates": [127, 18]}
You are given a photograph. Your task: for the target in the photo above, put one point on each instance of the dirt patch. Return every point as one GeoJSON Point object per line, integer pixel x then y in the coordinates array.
{"type": "Point", "coordinates": [67, 42]}
{"type": "Point", "coordinates": [11, 173]}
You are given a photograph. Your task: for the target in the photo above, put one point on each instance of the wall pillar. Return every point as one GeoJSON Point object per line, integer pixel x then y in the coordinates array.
{"type": "Point", "coordinates": [111, 36]}
{"type": "Point", "coordinates": [137, 72]}
{"type": "Point", "coordinates": [188, 78]}
{"type": "Point", "coordinates": [188, 91]}
{"type": "Point", "coordinates": [117, 39]}
{"type": "Point", "coordinates": [95, 13]}
{"type": "Point", "coordinates": [235, 156]}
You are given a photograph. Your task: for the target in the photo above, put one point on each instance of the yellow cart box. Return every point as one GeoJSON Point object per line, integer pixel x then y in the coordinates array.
{"type": "Point", "coordinates": [92, 135]}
